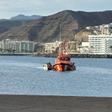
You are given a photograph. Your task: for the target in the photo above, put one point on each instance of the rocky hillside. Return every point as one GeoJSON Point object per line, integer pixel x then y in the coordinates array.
{"type": "Point", "coordinates": [67, 24]}
{"type": "Point", "coordinates": [7, 24]}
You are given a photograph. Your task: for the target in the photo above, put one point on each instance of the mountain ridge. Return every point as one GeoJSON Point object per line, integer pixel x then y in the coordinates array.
{"type": "Point", "coordinates": [24, 17]}
{"type": "Point", "coordinates": [47, 29]}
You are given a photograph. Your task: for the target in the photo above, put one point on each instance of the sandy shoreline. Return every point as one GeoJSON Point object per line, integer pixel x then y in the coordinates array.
{"type": "Point", "coordinates": [22, 103]}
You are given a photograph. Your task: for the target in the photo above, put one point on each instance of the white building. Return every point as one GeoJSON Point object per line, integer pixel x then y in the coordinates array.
{"type": "Point", "coordinates": [72, 47]}
{"type": "Point", "coordinates": [51, 47]}
{"type": "Point", "coordinates": [100, 44]}
{"type": "Point", "coordinates": [106, 29]}
{"type": "Point", "coordinates": [84, 48]}
{"type": "Point", "coordinates": [27, 46]}
{"type": "Point", "coordinates": [8, 45]}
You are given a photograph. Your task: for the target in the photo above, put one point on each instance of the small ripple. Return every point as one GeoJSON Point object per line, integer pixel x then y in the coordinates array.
{"type": "Point", "coordinates": [94, 70]}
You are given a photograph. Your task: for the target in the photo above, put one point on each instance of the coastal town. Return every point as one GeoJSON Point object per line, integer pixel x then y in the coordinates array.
{"type": "Point", "coordinates": [55, 55]}
{"type": "Point", "coordinates": [100, 42]}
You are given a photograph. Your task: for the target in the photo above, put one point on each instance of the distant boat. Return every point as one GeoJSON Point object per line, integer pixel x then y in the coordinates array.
{"type": "Point", "coordinates": [63, 60]}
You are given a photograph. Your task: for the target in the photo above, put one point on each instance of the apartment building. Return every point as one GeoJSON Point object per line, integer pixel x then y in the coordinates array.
{"type": "Point", "coordinates": [51, 46]}
{"type": "Point", "coordinates": [84, 48]}
{"type": "Point", "coordinates": [8, 45]}
{"type": "Point", "coordinates": [100, 44]}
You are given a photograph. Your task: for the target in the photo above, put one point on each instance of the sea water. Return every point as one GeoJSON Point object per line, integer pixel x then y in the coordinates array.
{"type": "Point", "coordinates": [24, 75]}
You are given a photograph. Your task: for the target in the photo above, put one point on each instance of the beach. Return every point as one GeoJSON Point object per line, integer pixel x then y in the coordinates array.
{"type": "Point", "coordinates": [25, 103]}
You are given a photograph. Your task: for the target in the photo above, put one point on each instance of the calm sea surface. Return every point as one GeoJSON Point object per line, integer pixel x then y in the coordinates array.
{"type": "Point", "coordinates": [24, 75]}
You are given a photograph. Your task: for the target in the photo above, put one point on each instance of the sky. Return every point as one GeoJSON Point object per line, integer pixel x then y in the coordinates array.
{"type": "Point", "coordinates": [10, 8]}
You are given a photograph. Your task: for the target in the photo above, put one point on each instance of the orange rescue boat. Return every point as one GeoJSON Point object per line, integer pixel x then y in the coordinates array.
{"type": "Point", "coordinates": [63, 61]}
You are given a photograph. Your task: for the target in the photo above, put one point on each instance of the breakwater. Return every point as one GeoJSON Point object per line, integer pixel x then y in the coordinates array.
{"type": "Point", "coordinates": [16, 54]}
{"type": "Point", "coordinates": [54, 55]}
{"type": "Point", "coordinates": [80, 55]}
{"type": "Point", "coordinates": [91, 55]}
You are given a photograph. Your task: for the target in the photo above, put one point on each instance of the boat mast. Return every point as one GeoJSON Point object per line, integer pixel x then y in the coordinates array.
{"type": "Point", "coordinates": [63, 46]}
{"type": "Point", "coordinates": [60, 39]}
{"type": "Point", "coordinates": [60, 33]}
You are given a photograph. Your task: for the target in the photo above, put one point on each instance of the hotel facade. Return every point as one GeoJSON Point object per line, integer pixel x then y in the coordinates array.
{"type": "Point", "coordinates": [8, 45]}
{"type": "Point", "coordinates": [100, 44]}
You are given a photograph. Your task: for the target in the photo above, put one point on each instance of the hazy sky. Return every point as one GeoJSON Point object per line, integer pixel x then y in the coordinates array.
{"type": "Point", "coordinates": [9, 8]}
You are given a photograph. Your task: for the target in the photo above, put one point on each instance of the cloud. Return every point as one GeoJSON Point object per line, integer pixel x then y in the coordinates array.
{"type": "Point", "coordinates": [13, 7]}
{"type": "Point", "coordinates": [10, 8]}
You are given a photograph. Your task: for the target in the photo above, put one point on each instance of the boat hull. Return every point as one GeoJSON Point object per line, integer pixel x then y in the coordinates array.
{"type": "Point", "coordinates": [64, 67]}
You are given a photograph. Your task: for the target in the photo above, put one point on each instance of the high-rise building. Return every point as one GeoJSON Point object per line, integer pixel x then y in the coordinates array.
{"type": "Point", "coordinates": [100, 44]}
{"type": "Point", "coordinates": [8, 45]}
{"type": "Point", "coordinates": [27, 46]}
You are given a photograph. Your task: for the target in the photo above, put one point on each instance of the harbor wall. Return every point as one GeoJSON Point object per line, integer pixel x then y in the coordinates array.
{"type": "Point", "coordinates": [81, 55]}
{"type": "Point", "coordinates": [54, 55]}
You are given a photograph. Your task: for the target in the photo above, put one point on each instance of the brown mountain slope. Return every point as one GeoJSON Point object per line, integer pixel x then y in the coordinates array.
{"type": "Point", "coordinates": [48, 28]}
